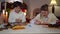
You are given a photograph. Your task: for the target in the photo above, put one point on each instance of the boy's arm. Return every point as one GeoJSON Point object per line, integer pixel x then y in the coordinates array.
{"type": "Point", "coordinates": [11, 18]}
{"type": "Point", "coordinates": [23, 18]}
{"type": "Point", "coordinates": [35, 20]}
{"type": "Point", "coordinates": [52, 19]}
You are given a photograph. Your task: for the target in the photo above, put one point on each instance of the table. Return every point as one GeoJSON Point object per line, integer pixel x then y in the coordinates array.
{"type": "Point", "coordinates": [32, 30]}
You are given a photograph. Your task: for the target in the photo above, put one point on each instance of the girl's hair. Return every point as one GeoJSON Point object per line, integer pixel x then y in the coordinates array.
{"type": "Point", "coordinates": [17, 3]}
{"type": "Point", "coordinates": [44, 7]}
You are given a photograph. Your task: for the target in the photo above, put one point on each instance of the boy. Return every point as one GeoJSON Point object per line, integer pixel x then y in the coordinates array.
{"type": "Point", "coordinates": [44, 17]}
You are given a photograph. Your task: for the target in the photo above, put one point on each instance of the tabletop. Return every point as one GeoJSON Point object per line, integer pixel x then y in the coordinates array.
{"type": "Point", "coordinates": [33, 29]}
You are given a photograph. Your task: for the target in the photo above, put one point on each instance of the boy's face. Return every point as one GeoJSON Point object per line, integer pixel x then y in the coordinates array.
{"type": "Point", "coordinates": [44, 13]}
{"type": "Point", "coordinates": [17, 9]}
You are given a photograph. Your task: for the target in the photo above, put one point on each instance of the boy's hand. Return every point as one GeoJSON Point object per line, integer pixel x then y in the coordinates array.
{"type": "Point", "coordinates": [18, 20]}
{"type": "Point", "coordinates": [38, 22]}
{"type": "Point", "coordinates": [44, 23]}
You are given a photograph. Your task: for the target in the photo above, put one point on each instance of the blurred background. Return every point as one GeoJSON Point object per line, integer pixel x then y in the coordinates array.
{"type": "Point", "coordinates": [31, 5]}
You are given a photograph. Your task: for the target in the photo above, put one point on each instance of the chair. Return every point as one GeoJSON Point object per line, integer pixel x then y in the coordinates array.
{"type": "Point", "coordinates": [36, 11]}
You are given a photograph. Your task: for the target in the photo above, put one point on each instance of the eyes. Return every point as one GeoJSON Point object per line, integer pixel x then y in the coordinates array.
{"type": "Point", "coordinates": [44, 12]}
{"type": "Point", "coordinates": [18, 7]}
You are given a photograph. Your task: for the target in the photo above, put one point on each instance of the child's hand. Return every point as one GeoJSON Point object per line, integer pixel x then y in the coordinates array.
{"type": "Point", "coordinates": [18, 20]}
{"type": "Point", "coordinates": [38, 22]}
{"type": "Point", "coordinates": [44, 23]}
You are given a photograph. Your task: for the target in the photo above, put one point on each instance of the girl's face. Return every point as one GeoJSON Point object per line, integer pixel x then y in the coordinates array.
{"type": "Point", "coordinates": [17, 9]}
{"type": "Point", "coordinates": [44, 13]}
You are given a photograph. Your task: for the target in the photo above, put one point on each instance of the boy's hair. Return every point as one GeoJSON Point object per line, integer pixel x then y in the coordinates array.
{"type": "Point", "coordinates": [44, 7]}
{"type": "Point", "coordinates": [15, 4]}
